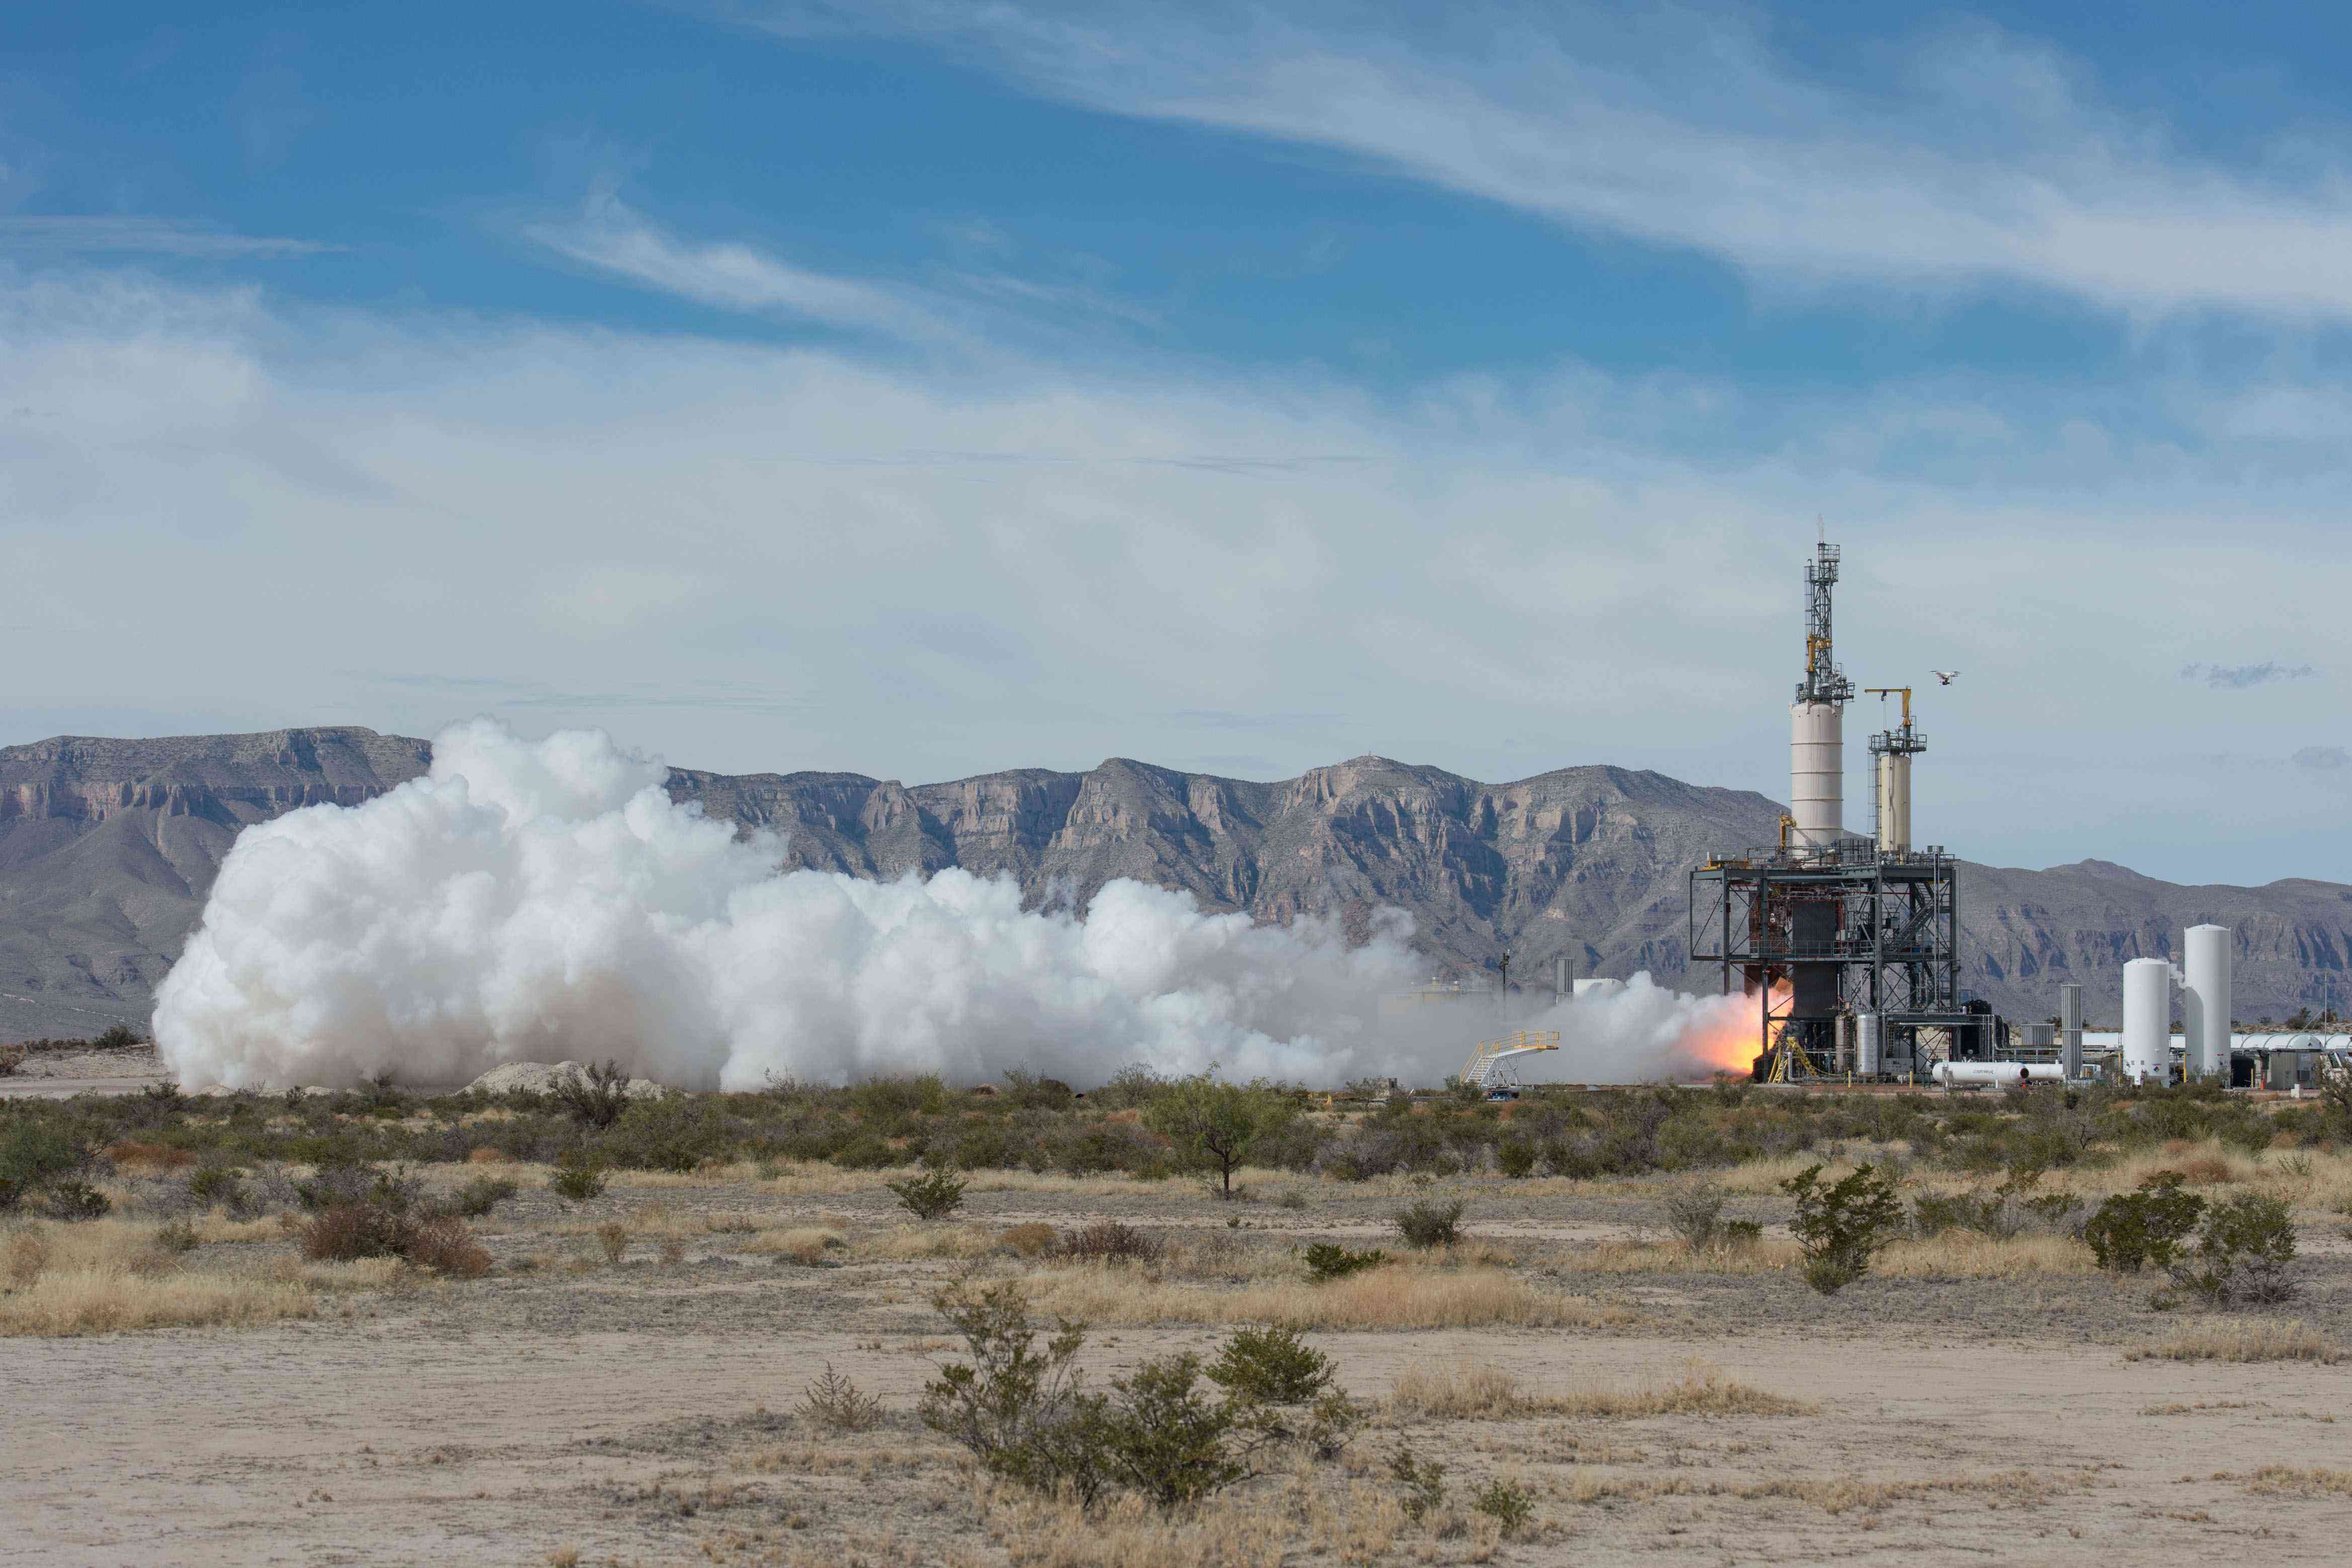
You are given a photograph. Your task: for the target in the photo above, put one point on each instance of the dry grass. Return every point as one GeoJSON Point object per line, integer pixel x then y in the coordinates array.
{"type": "Point", "coordinates": [1470, 1391]}
{"type": "Point", "coordinates": [909, 1243]}
{"type": "Point", "coordinates": [1966, 1254]}
{"type": "Point", "coordinates": [110, 1276]}
{"type": "Point", "coordinates": [2285, 1480]}
{"type": "Point", "coordinates": [800, 1243]}
{"type": "Point", "coordinates": [818, 1178]}
{"type": "Point", "coordinates": [1954, 1254]}
{"type": "Point", "coordinates": [1382, 1298]}
{"type": "Point", "coordinates": [2244, 1339]}
{"type": "Point", "coordinates": [1309, 1519]}
{"type": "Point", "coordinates": [1832, 1495]}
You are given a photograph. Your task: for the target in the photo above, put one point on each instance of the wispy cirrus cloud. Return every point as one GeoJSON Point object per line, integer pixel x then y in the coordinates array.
{"type": "Point", "coordinates": [1981, 157]}
{"type": "Point", "coordinates": [147, 236]}
{"type": "Point", "coordinates": [2241, 677]}
{"type": "Point", "coordinates": [610, 237]}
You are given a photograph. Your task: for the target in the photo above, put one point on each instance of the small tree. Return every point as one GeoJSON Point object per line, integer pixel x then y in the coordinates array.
{"type": "Point", "coordinates": [1841, 1226]}
{"type": "Point", "coordinates": [594, 1098]}
{"type": "Point", "coordinates": [1215, 1125]}
{"type": "Point", "coordinates": [2243, 1252]}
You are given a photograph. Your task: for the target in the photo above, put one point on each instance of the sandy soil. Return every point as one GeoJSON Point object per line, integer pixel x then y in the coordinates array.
{"type": "Point", "coordinates": [643, 1413]}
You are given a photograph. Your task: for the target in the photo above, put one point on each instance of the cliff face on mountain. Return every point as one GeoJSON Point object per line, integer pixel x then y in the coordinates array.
{"type": "Point", "coordinates": [107, 848]}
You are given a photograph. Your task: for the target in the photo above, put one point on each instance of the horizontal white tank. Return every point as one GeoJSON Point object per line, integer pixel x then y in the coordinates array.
{"type": "Point", "coordinates": [2147, 1020]}
{"type": "Point", "coordinates": [1999, 1072]}
{"type": "Point", "coordinates": [2205, 1000]}
{"type": "Point", "coordinates": [1817, 773]}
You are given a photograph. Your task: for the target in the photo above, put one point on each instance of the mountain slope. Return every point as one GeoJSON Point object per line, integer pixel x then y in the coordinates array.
{"type": "Point", "coordinates": [107, 848]}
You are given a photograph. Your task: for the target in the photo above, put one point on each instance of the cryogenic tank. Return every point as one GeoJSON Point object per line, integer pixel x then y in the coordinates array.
{"type": "Point", "coordinates": [2000, 1072]}
{"type": "Point", "coordinates": [2205, 1001]}
{"type": "Point", "coordinates": [2147, 1020]}
{"type": "Point", "coordinates": [1817, 773]}
{"type": "Point", "coordinates": [1894, 802]}
{"type": "Point", "coordinates": [1866, 1052]}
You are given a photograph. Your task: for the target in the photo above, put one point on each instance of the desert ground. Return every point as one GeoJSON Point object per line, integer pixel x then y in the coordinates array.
{"type": "Point", "coordinates": [625, 1378]}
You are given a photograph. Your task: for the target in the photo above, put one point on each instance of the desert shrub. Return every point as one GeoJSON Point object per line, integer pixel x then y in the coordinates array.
{"type": "Point", "coordinates": [613, 1240]}
{"type": "Point", "coordinates": [443, 1244]}
{"type": "Point", "coordinates": [933, 1195]}
{"type": "Point", "coordinates": [896, 1101]}
{"type": "Point", "coordinates": [335, 1180]}
{"type": "Point", "coordinates": [1734, 1234]}
{"type": "Point", "coordinates": [867, 1152]}
{"type": "Point", "coordinates": [117, 1038]}
{"type": "Point", "coordinates": [1517, 1160]}
{"type": "Point", "coordinates": [176, 1235]}
{"type": "Point", "coordinates": [71, 1198]}
{"type": "Point", "coordinates": [1016, 1406]}
{"type": "Point", "coordinates": [1028, 1092]}
{"type": "Point", "coordinates": [594, 1096]}
{"type": "Point", "coordinates": [2132, 1230]}
{"type": "Point", "coordinates": [1162, 1438]}
{"type": "Point", "coordinates": [2242, 1252]}
{"type": "Point", "coordinates": [1694, 1213]}
{"type": "Point", "coordinates": [675, 1133]}
{"type": "Point", "coordinates": [33, 1155]}
{"type": "Point", "coordinates": [1426, 1224]}
{"type": "Point", "coordinates": [1419, 1483]}
{"type": "Point", "coordinates": [1034, 1239]}
{"type": "Point", "coordinates": [1841, 1226]}
{"type": "Point", "coordinates": [219, 1185]}
{"type": "Point", "coordinates": [480, 1195]}
{"type": "Point", "coordinates": [11, 1059]}
{"type": "Point", "coordinates": [1106, 1146]}
{"type": "Point", "coordinates": [837, 1404]}
{"type": "Point", "coordinates": [1214, 1126]}
{"type": "Point", "coordinates": [1112, 1241]}
{"type": "Point", "coordinates": [1328, 1260]}
{"type": "Point", "coordinates": [342, 1232]}
{"type": "Point", "coordinates": [1510, 1504]}
{"type": "Point", "coordinates": [1271, 1365]}
{"type": "Point", "coordinates": [577, 1179]}
{"type": "Point", "coordinates": [1132, 1086]}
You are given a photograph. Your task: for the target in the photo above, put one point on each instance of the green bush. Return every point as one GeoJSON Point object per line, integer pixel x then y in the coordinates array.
{"type": "Point", "coordinates": [222, 1185]}
{"type": "Point", "coordinates": [2242, 1253]}
{"type": "Point", "coordinates": [480, 1195]}
{"type": "Point", "coordinates": [577, 1179]}
{"type": "Point", "coordinates": [35, 1154]}
{"type": "Point", "coordinates": [1017, 1406]}
{"type": "Point", "coordinates": [1425, 1225]}
{"type": "Point", "coordinates": [1841, 1226]}
{"type": "Point", "coordinates": [1515, 1160]}
{"type": "Point", "coordinates": [675, 1133]}
{"type": "Point", "coordinates": [934, 1195]}
{"type": "Point", "coordinates": [1328, 1261]}
{"type": "Point", "coordinates": [1420, 1484]}
{"type": "Point", "coordinates": [71, 1198]}
{"type": "Point", "coordinates": [1507, 1503]}
{"type": "Point", "coordinates": [1271, 1365]}
{"type": "Point", "coordinates": [1161, 1437]}
{"type": "Point", "coordinates": [2132, 1230]}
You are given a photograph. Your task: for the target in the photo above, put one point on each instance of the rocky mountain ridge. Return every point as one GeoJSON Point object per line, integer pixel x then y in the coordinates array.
{"type": "Point", "coordinates": [108, 848]}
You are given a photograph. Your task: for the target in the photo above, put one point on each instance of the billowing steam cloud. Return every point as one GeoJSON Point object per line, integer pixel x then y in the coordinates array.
{"type": "Point", "coordinates": [542, 901]}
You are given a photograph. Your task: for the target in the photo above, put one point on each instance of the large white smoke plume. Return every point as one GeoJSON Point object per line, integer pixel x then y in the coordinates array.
{"type": "Point", "coordinates": [542, 901]}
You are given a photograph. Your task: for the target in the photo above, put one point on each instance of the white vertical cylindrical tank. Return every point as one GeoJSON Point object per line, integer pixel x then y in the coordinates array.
{"type": "Point", "coordinates": [1817, 773]}
{"type": "Point", "coordinates": [2205, 1000]}
{"type": "Point", "coordinates": [1894, 802]}
{"type": "Point", "coordinates": [2147, 1020]}
{"type": "Point", "coordinates": [1867, 1056]}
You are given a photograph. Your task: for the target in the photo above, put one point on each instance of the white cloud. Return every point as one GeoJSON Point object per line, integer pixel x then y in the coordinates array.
{"type": "Point", "coordinates": [610, 237]}
{"type": "Point", "coordinates": [758, 557]}
{"type": "Point", "coordinates": [144, 236]}
{"type": "Point", "coordinates": [1984, 156]}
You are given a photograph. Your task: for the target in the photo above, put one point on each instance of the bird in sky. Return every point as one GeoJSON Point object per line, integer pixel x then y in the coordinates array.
{"type": "Point", "coordinates": [1945, 676]}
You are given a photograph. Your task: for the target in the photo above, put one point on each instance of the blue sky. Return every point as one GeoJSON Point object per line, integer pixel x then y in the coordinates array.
{"type": "Point", "coordinates": [924, 389]}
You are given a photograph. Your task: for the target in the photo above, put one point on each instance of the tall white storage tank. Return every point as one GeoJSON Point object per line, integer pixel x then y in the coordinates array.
{"type": "Point", "coordinates": [1817, 772]}
{"type": "Point", "coordinates": [2205, 1001]}
{"type": "Point", "coordinates": [2147, 1020]}
{"type": "Point", "coordinates": [1894, 802]}
{"type": "Point", "coordinates": [1868, 1053]}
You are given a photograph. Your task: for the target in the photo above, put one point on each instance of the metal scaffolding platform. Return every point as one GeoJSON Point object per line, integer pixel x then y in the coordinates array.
{"type": "Point", "coordinates": [1852, 952]}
